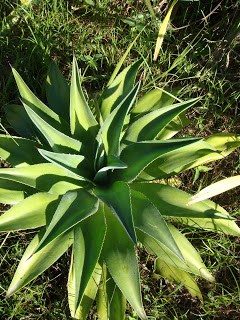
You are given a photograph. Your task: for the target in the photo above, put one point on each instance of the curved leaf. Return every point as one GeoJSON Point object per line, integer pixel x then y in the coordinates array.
{"type": "Point", "coordinates": [117, 198]}
{"type": "Point", "coordinates": [140, 154]}
{"type": "Point", "coordinates": [12, 192]}
{"type": "Point", "coordinates": [19, 151]}
{"type": "Point", "coordinates": [75, 164]}
{"type": "Point", "coordinates": [172, 202]}
{"type": "Point", "coordinates": [38, 106]}
{"type": "Point", "coordinates": [112, 126]}
{"type": "Point", "coordinates": [58, 92]}
{"type": "Point", "coordinates": [19, 120]}
{"type": "Point", "coordinates": [180, 276]}
{"type": "Point", "coordinates": [87, 250]}
{"type": "Point", "coordinates": [194, 263]}
{"type": "Point", "coordinates": [83, 124]}
{"type": "Point", "coordinates": [89, 293]}
{"type": "Point", "coordinates": [73, 207]}
{"type": "Point", "coordinates": [173, 163]}
{"type": "Point", "coordinates": [58, 141]}
{"type": "Point", "coordinates": [45, 177]}
{"type": "Point", "coordinates": [118, 89]}
{"type": "Point", "coordinates": [149, 126]}
{"type": "Point", "coordinates": [111, 303]}
{"type": "Point", "coordinates": [33, 212]}
{"type": "Point", "coordinates": [149, 220]}
{"type": "Point", "coordinates": [31, 265]}
{"type": "Point", "coordinates": [121, 261]}
{"type": "Point", "coordinates": [215, 189]}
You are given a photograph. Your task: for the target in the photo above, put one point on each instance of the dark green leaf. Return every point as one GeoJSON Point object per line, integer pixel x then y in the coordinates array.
{"type": "Point", "coordinates": [117, 198]}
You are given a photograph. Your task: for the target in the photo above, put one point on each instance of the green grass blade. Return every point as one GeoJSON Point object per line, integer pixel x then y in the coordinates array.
{"type": "Point", "coordinates": [162, 31]}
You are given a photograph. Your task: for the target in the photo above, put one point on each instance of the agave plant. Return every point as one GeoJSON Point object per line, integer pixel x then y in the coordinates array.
{"type": "Point", "coordinates": [86, 175]}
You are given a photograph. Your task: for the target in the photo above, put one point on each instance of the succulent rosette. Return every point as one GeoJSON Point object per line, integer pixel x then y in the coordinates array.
{"type": "Point", "coordinates": [84, 175]}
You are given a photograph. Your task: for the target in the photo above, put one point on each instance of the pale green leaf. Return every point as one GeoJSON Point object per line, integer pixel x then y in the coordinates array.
{"type": "Point", "coordinates": [33, 212]}
{"type": "Point", "coordinates": [179, 276]}
{"type": "Point", "coordinates": [45, 177]}
{"type": "Point", "coordinates": [58, 141]}
{"type": "Point", "coordinates": [89, 294]}
{"type": "Point", "coordinates": [12, 192]}
{"type": "Point", "coordinates": [111, 303]}
{"type": "Point", "coordinates": [73, 208]}
{"type": "Point", "coordinates": [120, 258]}
{"type": "Point", "coordinates": [149, 220]}
{"type": "Point", "coordinates": [149, 126]}
{"type": "Point", "coordinates": [38, 106]}
{"type": "Point", "coordinates": [172, 202]}
{"type": "Point", "coordinates": [215, 189]}
{"type": "Point", "coordinates": [75, 164]}
{"type": "Point", "coordinates": [31, 265]}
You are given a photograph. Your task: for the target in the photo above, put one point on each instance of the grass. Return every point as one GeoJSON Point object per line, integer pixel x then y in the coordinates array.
{"type": "Point", "coordinates": [200, 56]}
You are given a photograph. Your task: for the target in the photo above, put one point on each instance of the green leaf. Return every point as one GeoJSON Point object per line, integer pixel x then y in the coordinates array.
{"type": "Point", "coordinates": [140, 154]}
{"type": "Point", "coordinates": [172, 202]}
{"type": "Point", "coordinates": [45, 177]}
{"type": "Point", "coordinates": [33, 212]}
{"type": "Point", "coordinates": [73, 208]}
{"type": "Point", "coordinates": [150, 125]}
{"type": "Point", "coordinates": [73, 163]}
{"type": "Point", "coordinates": [149, 220]}
{"type": "Point", "coordinates": [112, 126]}
{"type": "Point", "coordinates": [19, 151]}
{"type": "Point", "coordinates": [224, 143]}
{"type": "Point", "coordinates": [176, 161]}
{"type": "Point", "coordinates": [58, 141]}
{"type": "Point", "coordinates": [117, 198]}
{"type": "Point", "coordinates": [58, 92]}
{"type": "Point", "coordinates": [31, 265]}
{"type": "Point", "coordinates": [87, 251]}
{"type": "Point", "coordinates": [111, 303]}
{"type": "Point", "coordinates": [179, 276]}
{"type": "Point", "coordinates": [193, 264]}
{"type": "Point", "coordinates": [38, 106]}
{"type": "Point", "coordinates": [120, 258]}
{"type": "Point", "coordinates": [89, 293]}
{"type": "Point", "coordinates": [12, 192]}
{"type": "Point", "coordinates": [153, 100]}
{"type": "Point", "coordinates": [19, 120]}
{"type": "Point", "coordinates": [215, 189]}
{"type": "Point", "coordinates": [118, 89]}
{"type": "Point", "coordinates": [83, 124]}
